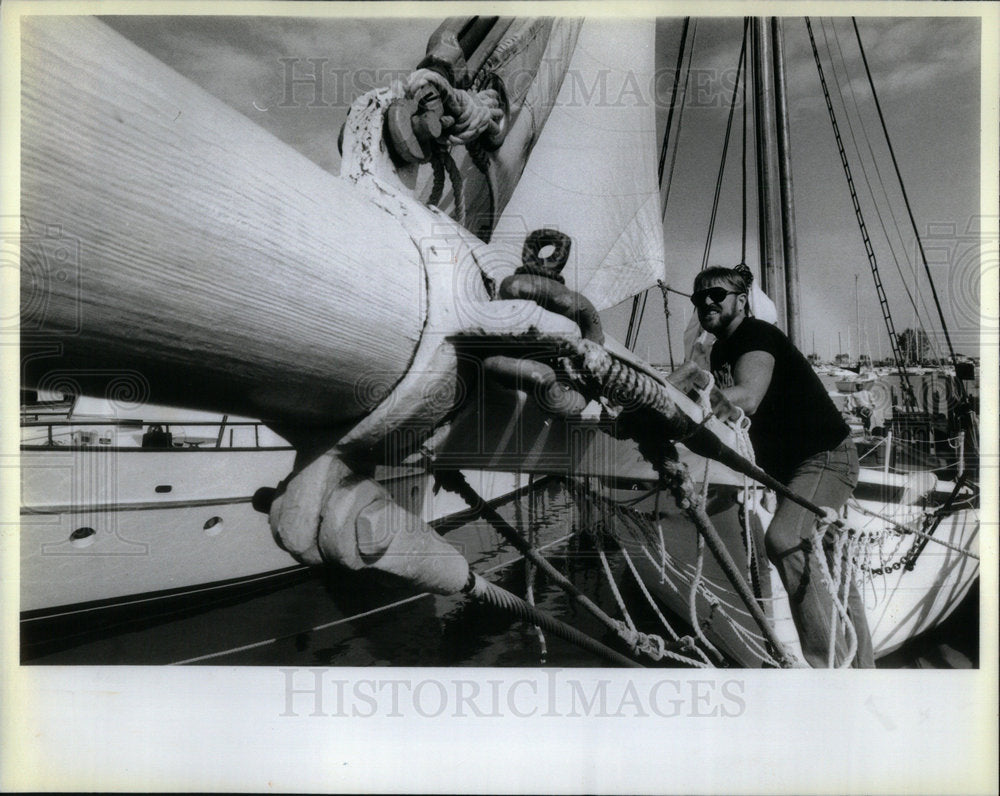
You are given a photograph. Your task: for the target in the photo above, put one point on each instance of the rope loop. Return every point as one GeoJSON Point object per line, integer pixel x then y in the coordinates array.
{"type": "Point", "coordinates": [468, 115]}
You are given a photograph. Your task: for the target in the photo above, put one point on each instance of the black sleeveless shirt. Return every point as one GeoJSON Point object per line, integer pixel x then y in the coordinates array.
{"type": "Point", "coordinates": [796, 418]}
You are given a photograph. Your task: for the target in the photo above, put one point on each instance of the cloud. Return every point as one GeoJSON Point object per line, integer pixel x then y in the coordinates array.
{"type": "Point", "coordinates": [239, 61]}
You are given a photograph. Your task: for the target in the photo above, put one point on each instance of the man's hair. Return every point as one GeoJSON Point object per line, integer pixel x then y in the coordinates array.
{"type": "Point", "coordinates": [737, 279]}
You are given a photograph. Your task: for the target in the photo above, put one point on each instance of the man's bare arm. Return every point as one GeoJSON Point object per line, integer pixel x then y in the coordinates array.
{"type": "Point", "coordinates": [751, 378]}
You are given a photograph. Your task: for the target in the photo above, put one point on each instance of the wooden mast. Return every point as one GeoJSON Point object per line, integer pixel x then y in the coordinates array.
{"type": "Point", "coordinates": [217, 266]}
{"type": "Point", "coordinates": [776, 214]}
{"type": "Point", "coordinates": [769, 210]}
{"type": "Point", "coordinates": [790, 256]}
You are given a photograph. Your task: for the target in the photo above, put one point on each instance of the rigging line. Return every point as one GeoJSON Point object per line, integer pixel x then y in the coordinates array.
{"type": "Point", "coordinates": [725, 147]}
{"type": "Point", "coordinates": [878, 171]}
{"type": "Point", "coordinates": [668, 183]}
{"type": "Point", "coordinates": [635, 319]}
{"type": "Point", "coordinates": [673, 100]}
{"type": "Point", "coordinates": [864, 170]}
{"type": "Point", "coordinates": [743, 239]}
{"type": "Point", "coordinates": [631, 321]}
{"type": "Point", "coordinates": [642, 312]}
{"type": "Point", "coordinates": [666, 319]}
{"type": "Point", "coordinates": [878, 213]}
{"type": "Point", "coordinates": [909, 210]}
{"type": "Point", "coordinates": [909, 399]}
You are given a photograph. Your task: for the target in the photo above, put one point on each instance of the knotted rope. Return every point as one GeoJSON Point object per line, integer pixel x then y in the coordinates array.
{"type": "Point", "coordinates": [468, 115]}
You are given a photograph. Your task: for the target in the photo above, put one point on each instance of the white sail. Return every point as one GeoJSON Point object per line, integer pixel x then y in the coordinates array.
{"type": "Point", "coordinates": [592, 173]}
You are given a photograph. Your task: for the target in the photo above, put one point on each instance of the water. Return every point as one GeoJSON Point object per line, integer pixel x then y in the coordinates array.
{"type": "Point", "coordinates": [346, 619]}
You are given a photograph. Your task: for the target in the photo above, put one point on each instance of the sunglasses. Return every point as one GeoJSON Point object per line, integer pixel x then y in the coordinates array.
{"type": "Point", "coordinates": [714, 294]}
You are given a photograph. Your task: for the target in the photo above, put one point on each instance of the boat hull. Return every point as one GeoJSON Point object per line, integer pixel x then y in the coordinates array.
{"type": "Point", "coordinates": [105, 544]}
{"type": "Point", "coordinates": [901, 603]}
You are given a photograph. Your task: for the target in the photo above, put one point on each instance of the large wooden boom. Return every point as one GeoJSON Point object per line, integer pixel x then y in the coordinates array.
{"type": "Point", "coordinates": [225, 269]}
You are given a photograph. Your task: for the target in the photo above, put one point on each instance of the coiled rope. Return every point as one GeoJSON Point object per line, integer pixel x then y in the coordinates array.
{"type": "Point", "coordinates": [468, 115]}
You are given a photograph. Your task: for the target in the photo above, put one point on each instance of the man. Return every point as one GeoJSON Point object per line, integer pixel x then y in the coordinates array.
{"type": "Point", "coordinates": [798, 437]}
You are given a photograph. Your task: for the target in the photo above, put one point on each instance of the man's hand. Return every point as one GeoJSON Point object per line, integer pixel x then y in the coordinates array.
{"type": "Point", "coordinates": [722, 407]}
{"type": "Point", "coordinates": [691, 380]}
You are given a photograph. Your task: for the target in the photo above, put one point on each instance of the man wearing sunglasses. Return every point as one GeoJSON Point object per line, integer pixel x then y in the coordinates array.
{"type": "Point", "coordinates": [799, 437]}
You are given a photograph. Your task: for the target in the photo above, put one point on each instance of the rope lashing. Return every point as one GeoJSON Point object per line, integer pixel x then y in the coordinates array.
{"type": "Point", "coordinates": [596, 370]}
{"type": "Point", "coordinates": [468, 115]}
{"type": "Point", "coordinates": [490, 593]}
{"type": "Point", "coordinates": [443, 163]}
{"type": "Point", "coordinates": [664, 290]}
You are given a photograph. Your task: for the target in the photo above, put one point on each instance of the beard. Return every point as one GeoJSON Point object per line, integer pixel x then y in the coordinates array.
{"type": "Point", "coordinates": [714, 318]}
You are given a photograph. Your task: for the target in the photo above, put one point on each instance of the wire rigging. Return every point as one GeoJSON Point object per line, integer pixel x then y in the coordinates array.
{"type": "Point", "coordinates": [965, 412]}
{"type": "Point", "coordinates": [909, 398]}
{"type": "Point", "coordinates": [668, 183]}
{"type": "Point", "coordinates": [864, 170]}
{"type": "Point", "coordinates": [725, 147]}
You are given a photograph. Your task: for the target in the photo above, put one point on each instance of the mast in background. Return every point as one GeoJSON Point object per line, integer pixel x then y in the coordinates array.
{"type": "Point", "coordinates": [776, 213]}
{"type": "Point", "coordinates": [792, 300]}
{"type": "Point", "coordinates": [768, 210]}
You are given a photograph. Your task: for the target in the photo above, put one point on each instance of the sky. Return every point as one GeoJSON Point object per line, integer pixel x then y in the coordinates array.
{"type": "Point", "coordinates": [926, 72]}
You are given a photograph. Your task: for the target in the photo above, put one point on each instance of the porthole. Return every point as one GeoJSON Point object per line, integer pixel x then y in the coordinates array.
{"type": "Point", "coordinates": [83, 537]}
{"type": "Point", "coordinates": [213, 526]}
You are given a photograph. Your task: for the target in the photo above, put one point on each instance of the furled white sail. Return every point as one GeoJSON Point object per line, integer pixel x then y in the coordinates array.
{"type": "Point", "coordinates": [592, 173]}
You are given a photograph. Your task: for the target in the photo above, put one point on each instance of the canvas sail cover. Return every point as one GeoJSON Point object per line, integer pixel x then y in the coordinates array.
{"type": "Point", "coordinates": [592, 173]}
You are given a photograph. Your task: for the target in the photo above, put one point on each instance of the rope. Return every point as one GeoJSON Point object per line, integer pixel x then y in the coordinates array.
{"type": "Point", "coordinates": [908, 397]}
{"type": "Point", "coordinates": [650, 644]}
{"type": "Point", "coordinates": [687, 499]}
{"type": "Point", "coordinates": [709, 597]}
{"type": "Point", "coordinates": [472, 113]}
{"type": "Point", "coordinates": [832, 582]}
{"type": "Point", "coordinates": [639, 642]}
{"type": "Point", "coordinates": [909, 210]}
{"type": "Point", "coordinates": [745, 448]}
{"type": "Point", "coordinates": [592, 368]}
{"type": "Point", "coordinates": [725, 147]}
{"type": "Point", "coordinates": [468, 115]}
{"type": "Point", "coordinates": [491, 594]}
{"type": "Point", "coordinates": [673, 99]}
{"type": "Point", "coordinates": [666, 318]}
{"type": "Point", "coordinates": [530, 570]}
{"type": "Point", "coordinates": [680, 125]}
{"type": "Point", "coordinates": [683, 644]}
{"type": "Point", "coordinates": [702, 664]}
{"type": "Point", "coordinates": [693, 594]}
{"type": "Point", "coordinates": [878, 173]}
{"type": "Point", "coordinates": [743, 237]}
{"type": "Point", "coordinates": [905, 529]}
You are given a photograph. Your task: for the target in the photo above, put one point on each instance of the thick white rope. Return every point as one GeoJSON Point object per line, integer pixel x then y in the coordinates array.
{"type": "Point", "coordinates": [831, 581]}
